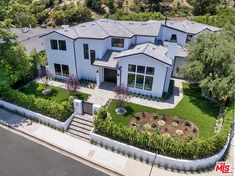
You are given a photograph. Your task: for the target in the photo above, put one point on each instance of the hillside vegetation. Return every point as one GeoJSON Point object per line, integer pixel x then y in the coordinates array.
{"type": "Point", "coordinates": [26, 13]}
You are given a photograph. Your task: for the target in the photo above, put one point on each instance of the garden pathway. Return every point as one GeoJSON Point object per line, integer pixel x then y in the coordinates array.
{"type": "Point", "coordinates": [105, 92]}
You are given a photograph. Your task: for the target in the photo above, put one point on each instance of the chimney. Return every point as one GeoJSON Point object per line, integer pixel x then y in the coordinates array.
{"type": "Point", "coordinates": [165, 20]}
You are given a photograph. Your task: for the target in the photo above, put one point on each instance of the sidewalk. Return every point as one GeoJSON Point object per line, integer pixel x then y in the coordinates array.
{"type": "Point", "coordinates": [104, 158]}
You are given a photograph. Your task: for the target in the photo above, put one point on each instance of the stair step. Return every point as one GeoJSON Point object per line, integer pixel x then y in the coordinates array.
{"type": "Point", "coordinates": [78, 121]}
{"type": "Point", "coordinates": [84, 118]}
{"type": "Point", "coordinates": [79, 134]}
{"type": "Point", "coordinates": [80, 130]}
{"type": "Point", "coordinates": [80, 126]}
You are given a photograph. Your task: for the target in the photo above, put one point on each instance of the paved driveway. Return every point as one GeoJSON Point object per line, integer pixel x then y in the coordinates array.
{"type": "Point", "coordinates": [22, 157]}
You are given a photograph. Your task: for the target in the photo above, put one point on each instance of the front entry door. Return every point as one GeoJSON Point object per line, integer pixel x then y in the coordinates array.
{"type": "Point", "coordinates": [110, 75]}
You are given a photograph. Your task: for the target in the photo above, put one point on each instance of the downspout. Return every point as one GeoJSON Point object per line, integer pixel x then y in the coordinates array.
{"type": "Point", "coordinates": [75, 59]}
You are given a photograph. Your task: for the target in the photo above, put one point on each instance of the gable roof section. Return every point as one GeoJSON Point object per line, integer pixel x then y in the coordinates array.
{"type": "Point", "coordinates": [157, 52]}
{"type": "Point", "coordinates": [190, 27]}
{"type": "Point", "coordinates": [30, 37]}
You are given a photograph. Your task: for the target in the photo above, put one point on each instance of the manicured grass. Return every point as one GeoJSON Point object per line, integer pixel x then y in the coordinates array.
{"type": "Point", "coordinates": [193, 107]}
{"type": "Point", "coordinates": [58, 94]}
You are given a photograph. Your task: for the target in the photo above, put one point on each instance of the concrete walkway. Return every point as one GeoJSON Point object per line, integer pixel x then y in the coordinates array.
{"type": "Point", "coordinates": [105, 158]}
{"type": "Point", "coordinates": [105, 92]}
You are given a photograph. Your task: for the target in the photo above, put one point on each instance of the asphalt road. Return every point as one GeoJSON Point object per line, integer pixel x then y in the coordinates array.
{"type": "Point", "coordinates": [22, 157]}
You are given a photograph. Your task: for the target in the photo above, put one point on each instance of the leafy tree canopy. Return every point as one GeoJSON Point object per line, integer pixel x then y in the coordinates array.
{"type": "Point", "coordinates": [211, 62]}
{"type": "Point", "coordinates": [14, 63]}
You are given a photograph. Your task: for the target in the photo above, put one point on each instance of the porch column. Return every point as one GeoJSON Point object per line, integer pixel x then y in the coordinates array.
{"type": "Point", "coordinates": [118, 77]}
{"type": "Point", "coordinates": [98, 82]}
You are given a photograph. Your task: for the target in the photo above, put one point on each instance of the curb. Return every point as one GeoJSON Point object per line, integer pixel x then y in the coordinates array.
{"type": "Point", "coordinates": [61, 149]}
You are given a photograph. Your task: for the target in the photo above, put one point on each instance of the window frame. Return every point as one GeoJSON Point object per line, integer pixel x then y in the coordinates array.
{"type": "Point", "coordinates": [187, 38]}
{"type": "Point", "coordinates": [59, 66]}
{"type": "Point", "coordinates": [128, 80]}
{"type": "Point", "coordinates": [173, 40]}
{"type": "Point", "coordinates": [86, 51]}
{"type": "Point", "coordinates": [151, 87]}
{"type": "Point", "coordinates": [150, 68]}
{"type": "Point", "coordinates": [64, 73]}
{"type": "Point", "coordinates": [130, 65]}
{"type": "Point", "coordinates": [92, 52]}
{"type": "Point", "coordinates": [119, 43]}
{"type": "Point", "coordinates": [136, 84]}
{"type": "Point", "coordinates": [62, 46]}
{"type": "Point", "coordinates": [138, 66]}
{"type": "Point", "coordinates": [56, 44]}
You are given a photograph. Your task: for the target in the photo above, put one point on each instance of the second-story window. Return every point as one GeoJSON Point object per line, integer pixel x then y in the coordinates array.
{"type": "Point", "coordinates": [54, 44]}
{"type": "Point", "coordinates": [189, 38]}
{"type": "Point", "coordinates": [93, 56]}
{"type": "Point", "coordinates": [117, 42]}
{"type": "Point", "coordinates": [62, 45]}
{"type": "Point", "coordinates": [86, 51]}
{"type": "Point", "coordinates": [173, 38]}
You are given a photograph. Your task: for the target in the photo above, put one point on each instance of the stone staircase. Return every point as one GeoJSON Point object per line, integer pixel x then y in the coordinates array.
{"type": "Point", "coordinates": [81, 126]}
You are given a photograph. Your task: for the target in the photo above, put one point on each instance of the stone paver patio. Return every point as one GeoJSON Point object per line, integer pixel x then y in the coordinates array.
{"type": "Point", "coordinates": [105, 92]}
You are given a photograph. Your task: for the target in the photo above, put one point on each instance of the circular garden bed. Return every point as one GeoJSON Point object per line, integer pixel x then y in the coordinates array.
{"type": "Point", "coordinates": [164, 125]}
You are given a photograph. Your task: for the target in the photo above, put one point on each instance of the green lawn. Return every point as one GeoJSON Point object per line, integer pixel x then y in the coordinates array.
{"type": "Point", "coordinates": [58, 94]}
{"type": "Point", "coordinates": [192, 107]}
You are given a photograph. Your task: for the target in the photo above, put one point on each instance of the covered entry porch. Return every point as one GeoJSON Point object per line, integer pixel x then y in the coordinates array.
{"type": "Point", "coordinates": [107, 71]}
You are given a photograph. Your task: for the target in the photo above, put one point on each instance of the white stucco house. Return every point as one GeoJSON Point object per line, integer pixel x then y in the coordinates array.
{"type": "Point", "coordinates": [141, 55]}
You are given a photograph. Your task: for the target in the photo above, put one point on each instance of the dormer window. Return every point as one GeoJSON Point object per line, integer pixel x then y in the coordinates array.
{"type": "Point", "coordinates": [173, 38]}
{"type": "Point", "coordinates": [117, 42]}
{"type": "Point", "coordinates": [189, 38]}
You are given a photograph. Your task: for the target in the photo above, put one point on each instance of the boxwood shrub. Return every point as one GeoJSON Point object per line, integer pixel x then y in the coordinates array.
{"type": "Point", "coordinates": [172, 147]}
{"type": "Point", "coordinates": [59, 111]}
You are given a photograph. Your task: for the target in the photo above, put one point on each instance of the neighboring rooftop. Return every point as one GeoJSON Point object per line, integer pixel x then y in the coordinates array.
{"type": "Point", "coordinates": [157, 52]}
{"type": "Point", "coordinates": [190, 26]}
{"type": "Point", "coordinates": [29, 37]}
{"type": "Point", "coordinates": [108, 60]}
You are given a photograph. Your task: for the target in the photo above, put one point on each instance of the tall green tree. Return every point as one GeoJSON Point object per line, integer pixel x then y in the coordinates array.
{"type": "Point", "coordinates": [211, 62]}
{"type": "Point", "coordinates": [14, 63]}
{"type": "Point", "coordinates": [202, 7]}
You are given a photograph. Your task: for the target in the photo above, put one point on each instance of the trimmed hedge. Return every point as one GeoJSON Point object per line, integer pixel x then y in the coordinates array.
{"type": "Point", "coordinates": [172, 147]}
{"type": "Point", "coordinates": [60, 111]}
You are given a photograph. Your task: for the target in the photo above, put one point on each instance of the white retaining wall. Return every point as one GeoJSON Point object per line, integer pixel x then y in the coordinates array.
{"type": "Point", "coordinates": [37, 116]}
{"type": "Point", "coordinates": [160, 159]}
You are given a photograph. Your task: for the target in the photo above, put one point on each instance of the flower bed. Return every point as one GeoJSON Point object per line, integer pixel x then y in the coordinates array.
{"type": "Point", "coordinates": [164, 125]}
{"type": "Point", "coordinates": [172, 147]}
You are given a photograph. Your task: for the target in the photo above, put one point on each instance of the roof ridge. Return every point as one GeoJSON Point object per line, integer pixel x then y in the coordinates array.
{"type": "Point", "coordinates": [125, 27]}
{"type": "Point", "coordinates": [75, 31]}
{"type": "Point", "coordinates": [101, 27]}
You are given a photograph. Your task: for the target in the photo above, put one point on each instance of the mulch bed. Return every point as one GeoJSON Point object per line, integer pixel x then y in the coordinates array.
{"type": "Point", "coordinates": [164, 125]}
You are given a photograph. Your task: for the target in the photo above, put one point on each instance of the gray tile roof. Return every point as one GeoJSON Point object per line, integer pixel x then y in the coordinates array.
{"type": "Point", "coordinates": [102, 28]}
{"type": "Point", "coordinates": [148, 28]}
{"type": "Point", "coordinates": [190, 26]}
{"type": "Point", "coordinates": [108, 60]}
{"type": "Point", "coordinates": [29, 37]}
{"type": "Point", "coordinates": [157, 52]}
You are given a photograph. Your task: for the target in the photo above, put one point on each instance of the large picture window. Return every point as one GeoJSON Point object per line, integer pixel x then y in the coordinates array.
{"type": "Point", "coordinates": [65, 69]}
{"type": "Point", "coordinates": [140, 77]}
{"type": "Point", "coordinates": [131, 80]}
{"type": "Point", "coordinates": [86, 51]}
{"type": "Point", "coordinates": [139, 81]}
{"type": "Point", "coordinates": [57, 69]}
{"type": "Point", "coordinates": [54, 44]}
{"type": "Point", "coordinates": [148, 83]}
{"type": "Point", "coordinates": [117, 42]}
{"type": "Point", "coordinates": [62, 45]}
